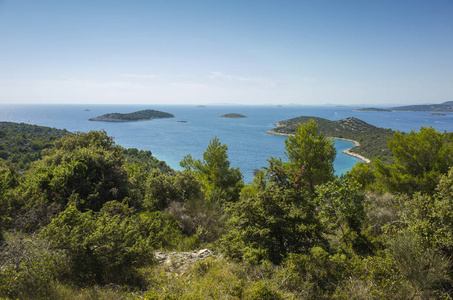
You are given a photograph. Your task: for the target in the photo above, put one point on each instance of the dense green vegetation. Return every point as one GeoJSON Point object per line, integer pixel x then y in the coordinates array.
{"type": "Point", "coordinates": [22, 144]}
{"type": "Point", "coordinates": [233, 115]}
{"type": "Point", "coordinates": [86, 219]}
{"type": "Point", "coordinates": [142, 115]}
{"type": "Point", "coordinates": [373, 140]}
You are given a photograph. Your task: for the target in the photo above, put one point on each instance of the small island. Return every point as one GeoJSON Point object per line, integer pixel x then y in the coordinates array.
{"type": "Point", "coordinates": [233, 116]}
{"type": "Point", "coordinates": [436, 115]}
{"type": "Point", "coordinates": [142, 115]}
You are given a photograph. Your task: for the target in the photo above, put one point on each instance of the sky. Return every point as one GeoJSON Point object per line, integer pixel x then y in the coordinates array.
{"type": "Point", "coordinates": [320, 52]}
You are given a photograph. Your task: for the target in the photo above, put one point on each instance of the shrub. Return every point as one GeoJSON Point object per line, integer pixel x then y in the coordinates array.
{"type": "Point", "coordinates": [28, 267]}
{"type": "Point", "coordinates": [105, 247]}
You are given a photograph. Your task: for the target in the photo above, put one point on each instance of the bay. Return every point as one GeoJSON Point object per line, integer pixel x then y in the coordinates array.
{"type": "Point", "coordinates": [193, 127]}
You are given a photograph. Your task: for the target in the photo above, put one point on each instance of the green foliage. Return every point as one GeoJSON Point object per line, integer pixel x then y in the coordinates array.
{"type": "Point", "coordinates": [373, 140]}
{"type": "Point", "coordinates": [262, 291]}
{"type": "Point", "coordinates": [363, 174]}
{"type": "Point", "coordinates": [160, 189]}
{"type": "Point", "coordinates": [203, 222]}
{"type": "Point", "coordinates": [314, 273]}
{"type": "Point", "coordinates": [342, 208]}
{"type": "Point", "coordinates": [277, 215]}
{"type": "Point", "coordinates": [108, 246]}
{"type": "Point", "coordinates": [270, 221]}
{"type": "Point", "coordinates": [420, 159]}
{"type": "Point", "coordinates": [431, 217]}
{"type": "Point", "coordinates": [383, 217]}
{"type": "Point", "coordinates": [220, 182]}
{"type": "Point", "coordinates": [423, 269]}
{"type": "Point", "coordinates": [23, 143]}
{"type": "Point", "coordinates": [443, 213]}
{"type": "Point", "coordinates": [8, 181]}
{"type": "Point", "coordinates": [28, 267]}
{"type": "Point", "coordinates": [295, 232]}
{"type": "Point", "coordinates": [86, 169]}
{"type": "Point", "coordinates": [146, 160]}
{"type": "Point", "coordinates": [310, 155]}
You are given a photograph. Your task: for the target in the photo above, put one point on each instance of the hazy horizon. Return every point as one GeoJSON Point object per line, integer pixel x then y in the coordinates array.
{"type": "Point", "coordinates": [354, 53]}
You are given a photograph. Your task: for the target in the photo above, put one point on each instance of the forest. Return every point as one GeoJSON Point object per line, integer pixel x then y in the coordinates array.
{"type": "Point", "coordinates": [83, 218]}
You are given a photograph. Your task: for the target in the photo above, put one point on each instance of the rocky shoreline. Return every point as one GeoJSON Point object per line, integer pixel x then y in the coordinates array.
{"type": "Point", "coordinates": [347, 151]}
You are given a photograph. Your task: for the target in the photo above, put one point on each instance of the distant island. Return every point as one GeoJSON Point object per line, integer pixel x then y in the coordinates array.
{"type": "Point", "coordinates": [233, 115]}
{"type": "Point", "coordinates": [370, 141]}
{"type": "Point", "coordinates": [443, 107]}
{"type": "Point", "coordinates": [373, 109]}
{"type": "Point", "coordinates": [142, 115]}
{"type": "Point", "coordinates": [437, 115]}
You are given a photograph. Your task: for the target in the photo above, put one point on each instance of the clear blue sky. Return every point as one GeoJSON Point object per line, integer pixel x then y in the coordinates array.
{"type": "Point", "coordinates": [316, 52]}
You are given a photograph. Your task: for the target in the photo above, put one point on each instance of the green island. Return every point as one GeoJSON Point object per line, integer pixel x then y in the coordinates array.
{"type": "Point", "coordinates": [142, 115]}
{"type": "Point", "coordinates": [233, 116]}
{"type": "Point", "coordinates": [370, 141]}
{"type": "Point", "coordinates": [84, 218]}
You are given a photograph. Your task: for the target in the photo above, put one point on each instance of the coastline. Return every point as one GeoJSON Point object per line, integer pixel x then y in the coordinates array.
{"type": "Point", "coordinates": [347, 151]}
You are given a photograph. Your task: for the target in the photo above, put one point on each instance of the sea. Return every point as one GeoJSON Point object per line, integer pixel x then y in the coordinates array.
{"type": "Point", "coordinates": [249, 146]}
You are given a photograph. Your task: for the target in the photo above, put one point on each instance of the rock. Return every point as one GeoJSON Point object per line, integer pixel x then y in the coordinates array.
{"type": "Point", "coordinates": [204, 252]}
{"type": "Point", "coordinates": [179, 261]}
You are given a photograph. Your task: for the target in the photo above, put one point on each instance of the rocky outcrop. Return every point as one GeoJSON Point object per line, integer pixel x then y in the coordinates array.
{"type": "Point", "coordinates": [180, 261]}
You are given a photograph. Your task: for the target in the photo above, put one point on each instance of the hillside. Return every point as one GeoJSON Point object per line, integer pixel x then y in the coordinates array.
{"type": "Point", "coordinates": [91, 220]}
{"type": "Point", "coordinates": [23, 143]}
{"type": "Point", "coordinates": [142, 115]}
{"type": "Point", "coordinates": [372, 139]}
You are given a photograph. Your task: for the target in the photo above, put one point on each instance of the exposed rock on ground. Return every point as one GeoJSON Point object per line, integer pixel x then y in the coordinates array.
{"type": "Point", "coordinates": [180, 261]}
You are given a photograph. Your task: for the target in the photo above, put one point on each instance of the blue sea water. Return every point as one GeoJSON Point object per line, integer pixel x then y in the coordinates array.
{"type": "Point", "coordinates": [249, 146]}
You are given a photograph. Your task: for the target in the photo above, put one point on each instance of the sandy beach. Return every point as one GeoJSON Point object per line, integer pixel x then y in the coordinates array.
{"type": "Point", "coordinates": [347, 151]}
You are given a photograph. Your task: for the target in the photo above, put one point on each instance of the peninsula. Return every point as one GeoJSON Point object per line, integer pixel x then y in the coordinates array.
{"type": "Point", "coordinates": [369, 141]}
{"type": "Point", "coordinates": [142, 115]}
{"type": "Point", "coordinates": [233, 116]}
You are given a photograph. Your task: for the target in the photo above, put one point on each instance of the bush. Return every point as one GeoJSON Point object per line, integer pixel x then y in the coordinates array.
{"type": "Point", "coordinates": [424, 269]}
{"type": "Point", "coordinates": [107, 247]}
{"type": "Point", "coordinates": [28, 267]}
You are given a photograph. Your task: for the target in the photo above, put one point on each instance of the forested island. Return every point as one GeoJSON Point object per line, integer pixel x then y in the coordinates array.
{"type": "Point", "coordinates": [142, 115]}
{"type": "Point", "coordinates": [233, 116]}
{"type": "Point", "coordinates": [83, 218]}
{"type": "Point", "coordinates": [370, 141]}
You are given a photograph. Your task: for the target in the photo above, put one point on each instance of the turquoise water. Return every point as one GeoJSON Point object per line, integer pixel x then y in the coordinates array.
{"type": "Point", "coordinates": [249, 146]}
